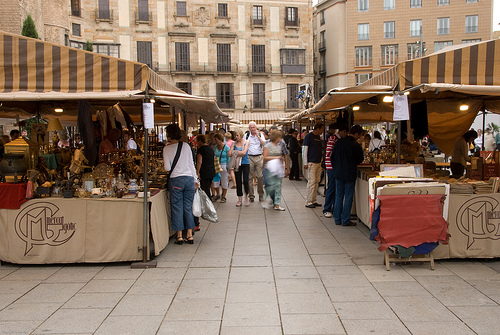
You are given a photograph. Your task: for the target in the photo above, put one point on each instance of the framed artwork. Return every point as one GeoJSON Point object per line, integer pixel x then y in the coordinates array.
{"type": "Point", "coordinates": [39, 133]}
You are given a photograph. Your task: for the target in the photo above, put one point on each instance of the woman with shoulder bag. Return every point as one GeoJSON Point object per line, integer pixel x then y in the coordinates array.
{"type": "Point", "coordinates": [221, 151]}
{"type": "Point", "coordinates": [242, 170]}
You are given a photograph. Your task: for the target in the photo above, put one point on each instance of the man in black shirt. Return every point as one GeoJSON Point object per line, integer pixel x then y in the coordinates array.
{"type": "Point", "coordinates": [312, 163]}
{"type": "Point", "coordinates": [347, 154]}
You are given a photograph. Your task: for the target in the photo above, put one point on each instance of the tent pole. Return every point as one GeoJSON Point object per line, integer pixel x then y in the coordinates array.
{"type": "Point", "coordinates": [145, 241]}
{"type": "Point", "coordinates": [482, 133]}
{"type": "Point", "coordinates": [399, 143]}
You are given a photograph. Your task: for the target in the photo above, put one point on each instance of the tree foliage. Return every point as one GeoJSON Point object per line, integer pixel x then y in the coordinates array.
{"type": "Point", "coordinates": [29, 29]}
{"type": "Point", "coordinates": [89, 46]}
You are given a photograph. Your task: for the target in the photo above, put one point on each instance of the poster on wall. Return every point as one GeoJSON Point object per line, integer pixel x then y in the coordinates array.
{"type": "Point", "coordinates": [401, 110]}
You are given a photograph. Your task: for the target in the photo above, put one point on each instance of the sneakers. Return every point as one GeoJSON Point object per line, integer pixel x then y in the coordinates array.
{"type": "Point", "coordinates": [267, 204]}
{"type": "Point", "coordinates": [278, 208]}
{"type": "Point", "coordinates": [317, 205]}
{"type": "Point", "coordinates": [327, 214]}
{"type": "Point", "coordinates": [349, 224]}
{"type": "Point", "coordinates": [310, 206]}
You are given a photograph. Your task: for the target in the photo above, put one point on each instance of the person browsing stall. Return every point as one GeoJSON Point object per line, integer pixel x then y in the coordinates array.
{"type": "Point", "coordinates": [256, 142]}
{"type": "Point", "coordinates": [460, 155]}
{"type": "Point", "coordinates": [313, 153]}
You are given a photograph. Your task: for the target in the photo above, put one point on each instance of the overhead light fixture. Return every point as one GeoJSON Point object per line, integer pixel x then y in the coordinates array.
{"type": "Point", "coordinates": [464, 107]}
{"type": "Point", "coordinates": [355, 108]}
{"type": "Point", "coordinates": [58, 110]}
{"type": "Point", "coordinates": [152, 100]}
{"type": "Point", "coordinates": [407, 93]}
{"type": "Point", "coordinates": [387, 98]}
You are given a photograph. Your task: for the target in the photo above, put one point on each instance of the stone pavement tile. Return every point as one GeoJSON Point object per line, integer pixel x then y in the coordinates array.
{"type": "Point", "coordinates": [18, 327]}
{"type": "Point", "coordinates": [376, 273]}
{"type": "Point", "coordinates": [119, 272]}
{"type": "Point", "coordinates": [300, 303]}
{"type": "Point", "coordinates": [401, 289]}
{"type": "Point", "coordinates": [285, 250]}
{"type": "Point", "coordinates": [364, 310]}
{"type": "Point", "coordinates": [251, 274]}
{"type": "Point", "coordinates": [108, 285]}
{"type": "Point", "coordinates": [17, 286]}
{"type": "Point", "coordinates": [422, 309]}
{"type": "Point", "coordinates": [6, 270]}
{"type": "Point", "coordinates": [51, 293]}
{"type": "Point", "coordinates": [264, 260]}
{"type": "Point", "coordinates": [287, 262]}
{"type": "Point", "coordinates": [357, 293]}
{"type": "Point", "coordinates": [251, 240]}
{"type": "Point", "coordinates": [171, 264]}
{"type": "Point", "coordinates": [328, 270]}
{"type": "Point", "coordinates": [345, 280]}
{"type": "Point", "coordinates": [296, 272]}
{"type": "Point", "coordinates": [203, 273]}
{"type": "Point", "coordinates": [28, 311]}
{"type": "Point", "coordinates": [453, 291]}
{"type": "Point", "coordinates": [441, 328]}
{"type": "Point", "coordinates": [73, 321]}
{"type": "Point", "coordinates": [143, 304]}
{"type": "Point", "coordinates": [247, 314]}
{"type": "Point", "coordinates": [332, 259]}
{"type": "Point", "coordinates": [469, 269]}
{"type": "Point", "coordinates": [489, 287]}
{"type": "Point", "coordinates": [200, 309]}
{"type": "Point", "coordinates": [41, 272]}
{"type": "Point", "coordinates": [207, 261]}
{"type": "Point", "coordinates": [382, 327]}
{"type": "Point", "coordinates": [205, 288]}
{"type": "Point", "coordinates": [481, 319]}
{"type": "Point", "coordinates": [423, 269]}
{"type": "Point", "coordinates": [251, 292]}
{"type": "Point", "coordinates": [247, 250]}
{"type": "Point", "coordinates": [302, 285]}
{"type": "Point", "coordinates": [192, 327]}
{"type": "Point", "coordinates": [131, 324]}
{"type": "Point", "coordinates": [8, 298]}
{"type": "Point", "coordinates": [94, 300]}
{"type": "Point", "coordinates": [311, 324]}
{"type": "Point", "coordinates": [269, 330]}
{"type": "Point", "coordinates": [155, 286]}
{"type": "Point", "coordinates": [71, 274]}
{"type": "Point", "coordinates": [324, 249]}
{"type": "Point", "coordinates": [161, 274]}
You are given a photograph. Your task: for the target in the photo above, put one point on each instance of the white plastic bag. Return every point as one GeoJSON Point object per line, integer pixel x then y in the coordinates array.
{"type": "Point", "coordinates": [275, 168]}
{"type": "Point", "coordinates": [197, 203]}
{"type": "Point", "coordinates": [207, 207]}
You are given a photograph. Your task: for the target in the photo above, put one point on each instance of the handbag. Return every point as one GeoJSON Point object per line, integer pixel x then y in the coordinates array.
{"type": "Point", "coordinates": [197, 203]}
{"type": "Point", "coordinates": [217, 160]}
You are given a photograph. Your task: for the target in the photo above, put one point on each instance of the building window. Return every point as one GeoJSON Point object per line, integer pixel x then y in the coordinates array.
{"type": "Point", "coordinates": [77, 45]}
{"type": "Point", "coordinates": [415, 3]}
{"type": "Point", "coordinates": [186, 87]}
{"type": "Point", "coordinates": [389, 29]}
{"type": "Point", "coordinates": [258, 58]}
{"type": "Point", "coordinates": [293, 61]}
{"type": "Point", "coordinates": [471, 23]}
{"type": "Point", "coordinates": [107, 49]}
{"type": "Point", "coordinates": [322, 41]}
{"type": "Point", "coordinates": [225, 95]}
{"type": "Point", "coordinates": [292, 91]}
{"type": "Point", "coordinates": [471, 1]}
{"type": "Point", "coordinates": [292, 16]}
{"type": "Point", "coordinates": [76, 29]}
{"type": "Point", "coordinates": [143, 10]}
{"type": "Point", "coordinates": [322, 17]}
{"type": "Point", "coordinates": [414, 50]}
{"type": "Point", "coordinates": [181, 8]}
{"type": "Point", "coordinates": [440, 45]}
{"type": "Point", "coordinates": [259, 96]}
{"type": "Point", "coordinates": [363, 56]}
{"type": "Point", "coordinates": [443, 26]}
{"type": "Point", "coordinates": [104, 13]}
{"type": "Point", "coordinates": [224, 57]}
{"type": "Point", "coordinates": [443, 2]}
{"type": "Point", "coordinates": [362, 77]}
{"type": "Point", "coordinates": [474, 40]}
{"type": "Point", "coordinates": [145, 53]}
{"type": "Point", "coordinates": [363, 31]}
{"type": "Point", "coordinates": [389, 4]}
{"type": "Point", "coordinates": [222, 10]}
{"type": "Point", "coordinates": [322, 87]}
{"type": "Point", "coordinates": [182, 56]}
{"type": "Point", "coordinates": [75, 8]}
{"type": "Point", "coordinates": [257, 15]}
{"type": "Point", "coordinates": [389, 54]}
{"type": "Point", "coordinates": [415, 26]}
{"type": "Point", "coordinates": [363, 5]}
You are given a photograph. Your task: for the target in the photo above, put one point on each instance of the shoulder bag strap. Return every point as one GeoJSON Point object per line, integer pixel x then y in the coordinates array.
{"type": "Point", "coordinates": [176, 158]}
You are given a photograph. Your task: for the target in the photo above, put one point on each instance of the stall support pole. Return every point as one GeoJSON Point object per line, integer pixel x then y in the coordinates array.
{"type": "Point", "coordinates": [145, 263]}
{"type": "Point", "coordinates": [399, 143]}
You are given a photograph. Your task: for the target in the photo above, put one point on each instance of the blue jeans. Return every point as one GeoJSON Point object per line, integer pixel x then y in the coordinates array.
{"type": "Point", "coordinates": [181, 202]}
{"type": "Point", "coordinates": [344, 193]}
{"type": "Point", "coordinates": [330, 192]}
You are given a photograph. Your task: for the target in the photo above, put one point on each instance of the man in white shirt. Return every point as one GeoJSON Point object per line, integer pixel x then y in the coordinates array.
{"type": "Point", "coordinates": [127, 137]}
{"type": "Point", "coordinates": [256, 143]}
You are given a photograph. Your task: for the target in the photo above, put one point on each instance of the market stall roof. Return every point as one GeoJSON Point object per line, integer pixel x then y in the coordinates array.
{"type": "Point", "coordinates": [34, 70]}
{"type": "Point", "coordinates": [259, 118]}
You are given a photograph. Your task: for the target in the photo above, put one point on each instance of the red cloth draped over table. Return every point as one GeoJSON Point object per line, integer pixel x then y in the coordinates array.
{"type": "Point", "coordinates": [12, 196]}
{"type": "Point", "coordinates": [410, 220]}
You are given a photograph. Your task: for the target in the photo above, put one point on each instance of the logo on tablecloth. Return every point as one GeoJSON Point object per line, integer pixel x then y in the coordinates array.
{"type": "Point", "coordinates": [479, 218]}
{"type": "Point", "coordinates": [39, 224]}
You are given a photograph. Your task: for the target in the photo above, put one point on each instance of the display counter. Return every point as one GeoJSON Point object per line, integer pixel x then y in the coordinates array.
{"type": "Point", "coordinates": [79, 230]}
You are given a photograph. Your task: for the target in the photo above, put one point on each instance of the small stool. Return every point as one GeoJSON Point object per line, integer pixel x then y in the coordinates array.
{"type": "Point", "coordinates": [414, 258]}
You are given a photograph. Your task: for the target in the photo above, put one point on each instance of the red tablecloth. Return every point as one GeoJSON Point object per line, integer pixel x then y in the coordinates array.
{"type": "Point", "coordinates": [12, 196]}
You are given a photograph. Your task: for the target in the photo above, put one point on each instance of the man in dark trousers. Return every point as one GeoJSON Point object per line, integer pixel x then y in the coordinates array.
{"type": "Point", "coordinates": [347, 154]}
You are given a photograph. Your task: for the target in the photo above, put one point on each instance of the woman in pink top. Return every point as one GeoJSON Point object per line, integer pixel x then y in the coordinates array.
{"type": "Point", "coordinates": [229, 141]}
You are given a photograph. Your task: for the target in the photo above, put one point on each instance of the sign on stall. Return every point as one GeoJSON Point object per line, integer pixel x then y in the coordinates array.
{"type": "Point", "coordinates": [401, 111]}
{"type": "Point", "coordinates": [149, 115]}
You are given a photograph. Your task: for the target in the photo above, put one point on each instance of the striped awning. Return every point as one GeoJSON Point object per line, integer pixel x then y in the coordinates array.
{"type": "Point", "coordinates": [259, 118]}
{"type": "Point", "coordinates": [34, 70]}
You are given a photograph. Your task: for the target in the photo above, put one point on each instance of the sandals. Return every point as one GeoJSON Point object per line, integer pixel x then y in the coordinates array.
{"type": "Point", "coordinates": [215, 198]}
{"type": "Point", "coordinates": [223, 200]}
{"type": "Point", "coordinates": [179, 240]}
{"type": "Point", "coordinates": [238, 204]}
{"type": "Point", "coordinates": [190, 239]}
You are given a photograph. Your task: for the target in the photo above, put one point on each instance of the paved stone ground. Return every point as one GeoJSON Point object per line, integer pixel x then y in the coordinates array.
{"type": "Point", "coordinates": [257, 272]}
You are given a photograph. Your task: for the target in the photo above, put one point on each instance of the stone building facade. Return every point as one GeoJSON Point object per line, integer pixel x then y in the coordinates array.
{"type": "Point", "coordinates": [357, 39]}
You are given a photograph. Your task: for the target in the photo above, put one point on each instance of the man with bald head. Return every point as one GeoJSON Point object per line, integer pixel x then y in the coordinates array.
{"type": "Point", "coordinates": [256, 143]}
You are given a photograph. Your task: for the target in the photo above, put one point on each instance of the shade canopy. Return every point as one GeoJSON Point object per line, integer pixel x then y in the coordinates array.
{"type": "Point", "coordinates": [37, 76]}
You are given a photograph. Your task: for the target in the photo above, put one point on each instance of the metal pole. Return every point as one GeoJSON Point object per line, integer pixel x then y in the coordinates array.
{"type": "Point", "coordinates": [399, 143]}
{"type": "Point", "coordinates": [421, 48]}
{"type": "Point", "coordinates": [482, 133]}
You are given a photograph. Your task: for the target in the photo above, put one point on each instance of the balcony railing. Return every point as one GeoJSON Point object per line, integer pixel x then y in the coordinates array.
{"type": "Point", "coordinates": [104, 15]}
{"type": "Point", "coordinates": [259, 69]}
{"type": "Point", "coordinates": [203, 68]}
{"type": "Point", "coordinates": [322, 68]}
{"type": "Point", "coordinates": [226, 105]}
{"type": "Point", "coordinates": [322, 46]}
{"type": "Point", "coordinates": [143, 17]}
{"type": "Point", "coordinates": [260, 104]}
{"type": "Point", "coordinates": [293, 23]}
{"type": "Point", "coordinates": [257, 23]}
{"type": "Point", "coordinates": [293, 69]}
{"type": "Point", "coordinates": [322, 91]}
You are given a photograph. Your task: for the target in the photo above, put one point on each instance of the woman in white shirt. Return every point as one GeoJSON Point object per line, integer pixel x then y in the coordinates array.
{"type": "Point", "coordinates": [377, 142]}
